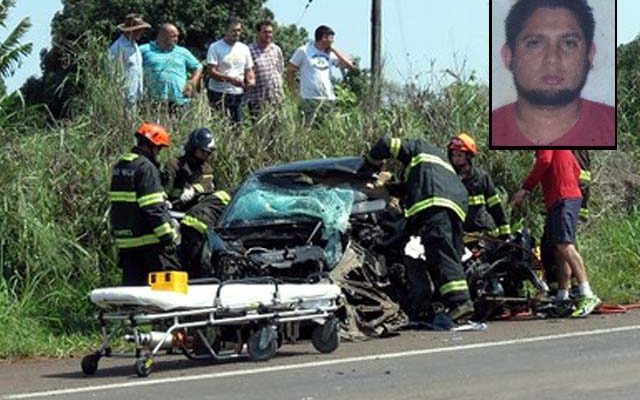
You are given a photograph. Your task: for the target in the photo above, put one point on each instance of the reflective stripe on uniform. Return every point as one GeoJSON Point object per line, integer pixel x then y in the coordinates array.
{"type": "Point", "coordinates": [195, 223]}
{"type": "Point", "coordinates": [123, 197]}
{"type": "Point", "coordinates": [428, 158]}
{"type": "Point", "coordinates": [395, 147]}
{"type": "Point", "coordinates": [164, 229]}
{"type": "Point", "coordinates": [129, 157]}
{"type": "Point", "coordinates": [476, 200]}
{"type": "Point", "coordinates": [152, 198]}
{"type": "Point", "coordinates": [493, 200]}
{"type": "Point", "coordinates": [435, 202]}
{"type": "Point", "coordinates": [454, 286]}
{"type": "Point", "coordinates": [144, 240]}
{"type": "Point", "coordinates": [372, 160]}
{"type": "Point", "coordinates": [472, 236]}
{"type": "Point", "coordinates": [198, 187]}
{"type": "Point", "coordinates": [504, 229]}
{"type": "Point", "coordinates": [224, 197]}
{"type": "Point", "coordinates": [585, 175]}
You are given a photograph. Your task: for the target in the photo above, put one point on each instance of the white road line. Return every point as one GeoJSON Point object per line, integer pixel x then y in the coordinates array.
{"type": "Point", "coordinates": [315, 364]}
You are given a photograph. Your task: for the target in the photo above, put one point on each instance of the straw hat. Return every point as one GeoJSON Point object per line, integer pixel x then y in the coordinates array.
{"type": "Point", "coordinates": [133, 22]}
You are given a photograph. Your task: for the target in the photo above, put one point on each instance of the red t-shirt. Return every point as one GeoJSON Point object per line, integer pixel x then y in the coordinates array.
{"type": "Point", "coordinates": [595, 127]}
{"type": "Point", "coordinates": [559, 173]}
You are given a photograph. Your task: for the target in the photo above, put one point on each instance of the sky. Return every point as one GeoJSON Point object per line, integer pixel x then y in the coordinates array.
{"type": "Point", "coordinates": [415, 33]}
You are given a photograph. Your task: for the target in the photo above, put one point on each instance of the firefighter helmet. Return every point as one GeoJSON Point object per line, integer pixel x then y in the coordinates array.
{"type": "Point", "coordinates": [201, 138]}
{"type": "Point", "coordinates": [154, 133]}
{"type": "Point", "coordinates": [463, 142]}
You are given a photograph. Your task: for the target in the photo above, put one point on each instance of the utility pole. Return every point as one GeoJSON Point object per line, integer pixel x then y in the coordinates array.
{"type": "Point", "coordinates": [376, 28]}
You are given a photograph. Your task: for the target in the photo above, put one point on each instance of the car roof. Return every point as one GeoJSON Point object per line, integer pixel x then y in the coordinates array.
{"type": "Point", "coordinates": [323, 165]}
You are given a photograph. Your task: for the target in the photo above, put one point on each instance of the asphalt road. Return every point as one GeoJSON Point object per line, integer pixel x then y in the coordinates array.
{"type": "Point", "coordinates": [595, 358]}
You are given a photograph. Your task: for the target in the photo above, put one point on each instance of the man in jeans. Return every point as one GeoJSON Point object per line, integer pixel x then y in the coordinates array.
{"type": "Point", "coordinates": [230, 67]}
{"type": "Point", "coordinates": [558, 172]}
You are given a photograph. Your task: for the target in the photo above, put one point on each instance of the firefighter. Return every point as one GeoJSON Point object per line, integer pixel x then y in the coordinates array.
{"type": "Point", "coordinates": [139, 215]}
{"type": "Point", "coordinates": [194, 229]}
{"type": "Point", "coordinates": [435, 207]}
{"type": "Point", "coordinates": [584, 161]}
{"type": "Point", "coordinates": [486, 215]}
{"type": "Point", "coordinates": [189, 176]}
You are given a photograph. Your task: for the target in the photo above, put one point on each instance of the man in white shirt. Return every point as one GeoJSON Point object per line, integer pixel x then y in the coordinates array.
{"type": "Point", "coordinates": [126, 53]}
{"type": "Point", "coordinates": [314, 61]}
{"type": "Point", "coordinates": [230, 68]}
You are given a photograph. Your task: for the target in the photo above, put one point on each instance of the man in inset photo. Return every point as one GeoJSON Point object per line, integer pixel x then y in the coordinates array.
{"type": "Point", "coordinates": [550, 51]}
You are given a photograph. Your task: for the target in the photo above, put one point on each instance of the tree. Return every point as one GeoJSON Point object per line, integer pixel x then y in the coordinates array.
{"type": "Point", "coordinates": [11, 50]}
{"type": "Point", "coordinates": [200, 22]}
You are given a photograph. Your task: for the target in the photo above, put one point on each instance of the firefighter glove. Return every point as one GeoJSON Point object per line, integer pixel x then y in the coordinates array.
{"type": "Point", "coordinates": [187, 194]}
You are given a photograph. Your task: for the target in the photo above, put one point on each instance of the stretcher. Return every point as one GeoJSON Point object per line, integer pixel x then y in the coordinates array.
{"type": "Point", "coordinates": [213, 320]}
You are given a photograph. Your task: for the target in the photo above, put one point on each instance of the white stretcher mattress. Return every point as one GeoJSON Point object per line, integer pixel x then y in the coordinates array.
{"type": "Point", "coordinates": [234, 296]}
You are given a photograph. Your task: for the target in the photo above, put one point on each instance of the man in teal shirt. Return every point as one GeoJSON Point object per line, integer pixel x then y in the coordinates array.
{"type": "Point", "coordinates": [171, 72]}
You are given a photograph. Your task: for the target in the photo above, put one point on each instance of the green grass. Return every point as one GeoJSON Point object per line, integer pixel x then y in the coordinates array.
{"type": "Point", "coordinates": [611, 251]}
{"type": "Point", "coordinates": [55, 244]}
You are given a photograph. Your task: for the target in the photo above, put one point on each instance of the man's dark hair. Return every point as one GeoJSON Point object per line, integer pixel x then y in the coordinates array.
{"type": "Point", "coordinates": [233, 21]}
{"type": "Point", "coordinates": [524, 9]}
{"type": "Point", "coordinates": [263, 23]}
{"type": "Point", "coordinates": [323, 30]}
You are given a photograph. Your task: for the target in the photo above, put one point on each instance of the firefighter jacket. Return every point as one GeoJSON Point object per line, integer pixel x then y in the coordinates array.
{"type": "Point", "coordinates": [187, 171]}
{"type": "Point", "coordinates": [429, 179]}
{"type": "Point", "coordinates": [584, 160]}
{"type": "Point", "coordinates": [205, 214]}
{"type": "Point", "coordinates": [485, 208]}
{"type": "Point", "coordinates": [139, 215]}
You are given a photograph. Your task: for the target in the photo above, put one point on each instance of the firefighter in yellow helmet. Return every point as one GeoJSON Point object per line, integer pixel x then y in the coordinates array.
{"type": "Point", "coordinates": [139, 215]}
{"type": "Point", "coordinates": [486, 214]}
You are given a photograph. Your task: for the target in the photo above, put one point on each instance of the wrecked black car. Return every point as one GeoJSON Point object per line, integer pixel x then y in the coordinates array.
{"type": "Point", "coordinates": [309, 221]}
{"type": "Point", "coordinates": [313, 220]}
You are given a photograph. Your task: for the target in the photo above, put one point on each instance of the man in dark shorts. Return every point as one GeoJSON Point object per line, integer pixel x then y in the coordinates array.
{"type": "Point", "coordinates": [558, 172]}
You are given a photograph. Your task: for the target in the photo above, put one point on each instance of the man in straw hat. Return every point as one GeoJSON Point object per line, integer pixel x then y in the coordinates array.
{"type": "Point", "coordinates": [126, 53]}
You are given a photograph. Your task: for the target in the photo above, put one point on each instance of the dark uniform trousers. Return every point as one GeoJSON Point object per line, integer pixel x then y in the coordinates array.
{"type": "Point", "coordinates": [440, 232]}
{"type": "Point", "coordinates": [137, 263]}
{"type": "Point", "coordinates": [192, 253]}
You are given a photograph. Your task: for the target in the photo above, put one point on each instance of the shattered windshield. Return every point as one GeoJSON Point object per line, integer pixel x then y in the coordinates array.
{"type": "Point", "coordinates": [288, 199]}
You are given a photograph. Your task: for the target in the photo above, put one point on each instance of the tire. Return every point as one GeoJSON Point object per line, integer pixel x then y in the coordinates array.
{"type": "Point", "coordinates": [325, 338]}
{"type": "Point", "coordinates": [262, 344]}
{"type": "Point", "coordinates": [144, 366]}
{"type": "Point", "coordinates": [89, 363]}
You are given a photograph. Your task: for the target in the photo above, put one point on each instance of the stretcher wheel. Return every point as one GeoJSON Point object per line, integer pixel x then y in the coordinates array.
{"type": "Point", "coordinates": [144, 366]}
{"type": "Point", "coordinates": [89, 363]}
{"type": "Point", "coordinates": [325, 337]}
{"type": "Point", "coordinates": [262, 344]}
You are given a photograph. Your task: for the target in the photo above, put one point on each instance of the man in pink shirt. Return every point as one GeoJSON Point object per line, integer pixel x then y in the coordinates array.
{"type": "Point", "coordinates": [549, 49]}
{"type": "Point", "coordinates": [558, 173]}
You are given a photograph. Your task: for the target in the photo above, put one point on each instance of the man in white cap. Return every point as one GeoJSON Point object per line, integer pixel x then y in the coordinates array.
{"type": "Point", "coordinates": [126, 54]}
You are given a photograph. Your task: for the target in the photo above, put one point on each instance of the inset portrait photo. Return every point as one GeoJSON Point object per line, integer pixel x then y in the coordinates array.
{"type": "Point", "coordinates": [553, 74]}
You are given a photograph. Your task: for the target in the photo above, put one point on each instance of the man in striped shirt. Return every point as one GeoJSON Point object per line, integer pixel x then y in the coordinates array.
{"type": "Point", "coordinates": [268, 64]}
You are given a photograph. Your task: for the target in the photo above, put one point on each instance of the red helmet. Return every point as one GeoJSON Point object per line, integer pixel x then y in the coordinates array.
{"type": "Point", "coordinates": [463, 142]}
{"type": "Point", "coordinates": [155, 133]}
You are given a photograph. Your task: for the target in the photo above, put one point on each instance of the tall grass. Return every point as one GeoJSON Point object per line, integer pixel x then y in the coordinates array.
{"type": "Point", "coordinates": [55, 244]}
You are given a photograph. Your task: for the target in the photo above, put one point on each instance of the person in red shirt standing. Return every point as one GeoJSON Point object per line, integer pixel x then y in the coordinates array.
{"type": "Point", "coordinates": [558, 173]}
{"type": "Point", "coordinates": [549, 50]}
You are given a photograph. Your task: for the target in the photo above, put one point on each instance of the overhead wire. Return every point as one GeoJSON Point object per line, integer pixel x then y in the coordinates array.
{"type": "Point", "coordinates": [306, 7]}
